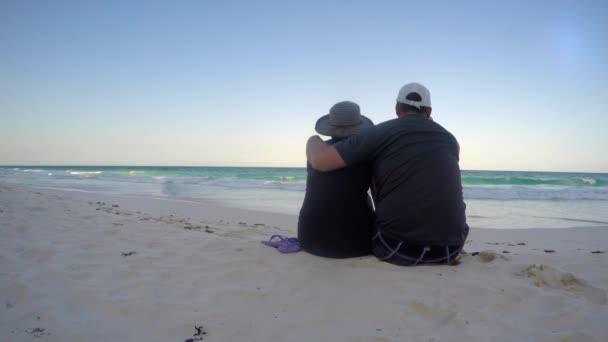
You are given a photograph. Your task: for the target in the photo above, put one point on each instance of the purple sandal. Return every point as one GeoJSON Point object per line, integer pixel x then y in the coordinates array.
{"type": "Point", "coordinates": [283, 244]}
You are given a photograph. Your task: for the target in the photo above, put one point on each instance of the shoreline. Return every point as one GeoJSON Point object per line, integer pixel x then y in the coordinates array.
{"type": "Point", "coordinates": [472, 218]}
{"type": "Point", "coordinates": [498, 200]}
{"type": "Point", "coordinates": [209, 205]}
{"type": "Point", "coordinates": [66, 273]}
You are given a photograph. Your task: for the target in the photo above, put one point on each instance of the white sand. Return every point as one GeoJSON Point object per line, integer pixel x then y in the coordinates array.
{"type": "Point", "coordinates": [63, 278]}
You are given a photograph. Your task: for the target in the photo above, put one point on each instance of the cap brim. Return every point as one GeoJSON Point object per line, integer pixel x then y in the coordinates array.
{"type": "Point", "coordinates": [323, 127]}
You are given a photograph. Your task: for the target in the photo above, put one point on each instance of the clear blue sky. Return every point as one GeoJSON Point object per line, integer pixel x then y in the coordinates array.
{"type": "Point", "coordinates": [523, 85]}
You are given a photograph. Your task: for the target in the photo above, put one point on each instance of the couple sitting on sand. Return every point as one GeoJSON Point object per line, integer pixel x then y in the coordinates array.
{"type": "Point", "coordinates": [410, 163]}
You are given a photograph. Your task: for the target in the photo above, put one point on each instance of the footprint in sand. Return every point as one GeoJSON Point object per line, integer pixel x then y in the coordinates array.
{"type": "Point", "coordinates": [434, 313]}
{"type": "Point", "coordinates": [17, 292]}
{"type": "Point", "coordinates": [88, 246]}
{"type": "Point", "coordinates": [155, 244]}
{"type": "Point", "coordinates": [36, 255]}
{"type": "Point", "coordinates": [110, 232]}
{"type": "Point", "coordinates": [22, 228]}
{"type": "Point", "coordinates": [547, 277]}
{"type": "Point", "coordinates": [369, 339]}
{"type": "Point", "coordinates": [575, 337]}
{"type": "Point", "coordinates": [489, 256]}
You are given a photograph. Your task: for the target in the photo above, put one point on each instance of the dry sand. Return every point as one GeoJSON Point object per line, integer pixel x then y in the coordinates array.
{"type": "Point", "coordinates": [78, 266]}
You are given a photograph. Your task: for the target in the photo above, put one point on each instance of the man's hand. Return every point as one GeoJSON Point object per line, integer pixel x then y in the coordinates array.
{"type": "Point", "coordinates": [323, 157]}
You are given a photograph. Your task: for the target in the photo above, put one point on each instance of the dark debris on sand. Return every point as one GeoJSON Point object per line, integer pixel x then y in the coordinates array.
{"type": "Point", "coordinates": [126, 254]}
{"type": "Point", "coordinates": [198, 334]}
{"type": "Point", "coordinates": [598, 252]}
{"type": "Point", "coordinates": [37, 332]}
{"type": "Point", "coordinates": [549, 250]}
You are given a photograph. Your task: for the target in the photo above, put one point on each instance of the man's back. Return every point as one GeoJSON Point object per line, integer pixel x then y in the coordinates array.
{"type": "Point", "coordinates": [419, 193]}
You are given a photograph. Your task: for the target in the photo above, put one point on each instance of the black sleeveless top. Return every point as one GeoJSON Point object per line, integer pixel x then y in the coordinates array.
{"type": "Point", "coordinates": [336, 218]}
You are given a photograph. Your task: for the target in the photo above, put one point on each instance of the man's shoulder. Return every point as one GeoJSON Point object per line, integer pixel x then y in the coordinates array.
{"type": "Point", "coordinates": [412, 125]}
{"type": "Point", "coordinates": [442, 129]}
{"type": "Point", "coordinates": [406, 124]}
{"type": "Point", "coordinates": [389, 123]}
{"type": "Point", "coordinates": [383, 127]}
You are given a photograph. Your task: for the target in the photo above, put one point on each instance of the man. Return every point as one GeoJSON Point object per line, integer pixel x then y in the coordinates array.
{"type": "Point", "coordinates": [336, 218]}
{"type": "Point", "coordinates": [420, 212]}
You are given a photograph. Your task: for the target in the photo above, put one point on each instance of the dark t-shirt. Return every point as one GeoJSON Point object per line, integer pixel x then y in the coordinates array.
{"type": "Point", "coordinates": [415, 165]}
{"type": "Point", "coordinates": [336, 219]}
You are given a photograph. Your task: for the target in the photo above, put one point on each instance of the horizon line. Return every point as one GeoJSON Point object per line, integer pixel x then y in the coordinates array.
{"type": "Point", "coordinates": [270, 167]}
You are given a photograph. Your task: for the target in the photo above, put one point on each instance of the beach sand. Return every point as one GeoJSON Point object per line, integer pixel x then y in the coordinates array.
{"type": "Point", "coordinates": [78, 266]}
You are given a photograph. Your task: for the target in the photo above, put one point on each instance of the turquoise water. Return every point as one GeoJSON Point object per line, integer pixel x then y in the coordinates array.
{"type": "Point", "coordinates": [495, 199]}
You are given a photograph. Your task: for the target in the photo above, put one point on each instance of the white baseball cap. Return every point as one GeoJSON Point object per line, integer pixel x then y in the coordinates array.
{"type": "Point", "coordinates": [415, 94]}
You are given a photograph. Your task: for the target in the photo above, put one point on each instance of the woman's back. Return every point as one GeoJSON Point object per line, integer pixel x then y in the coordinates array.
{"type": "Point", "coordinates": [336, 217]}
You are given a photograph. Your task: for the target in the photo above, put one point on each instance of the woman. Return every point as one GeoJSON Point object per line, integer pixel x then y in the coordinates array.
{"type": "Point", "coordinates": [336, 218]}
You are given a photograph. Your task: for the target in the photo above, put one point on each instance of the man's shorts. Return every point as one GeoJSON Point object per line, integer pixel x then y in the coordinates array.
{"type": "Point", "coordinates": [400, 253]}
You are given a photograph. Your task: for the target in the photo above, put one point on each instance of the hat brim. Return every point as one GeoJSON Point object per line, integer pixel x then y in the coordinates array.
{"type": "Point", "coordinates": [324, 127]}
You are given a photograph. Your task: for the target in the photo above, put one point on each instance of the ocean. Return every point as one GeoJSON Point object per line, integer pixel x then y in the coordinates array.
{"type": "Point", "coordinates": [495, 199]}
